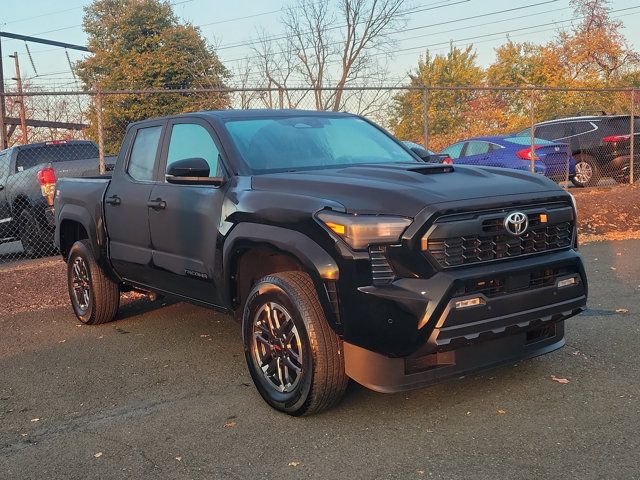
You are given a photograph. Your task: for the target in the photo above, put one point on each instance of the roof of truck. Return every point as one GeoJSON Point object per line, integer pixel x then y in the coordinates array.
{"type": "Point", "coordinates": [251, 113]}
{"type": "Point", "coordinates": [269, 112]}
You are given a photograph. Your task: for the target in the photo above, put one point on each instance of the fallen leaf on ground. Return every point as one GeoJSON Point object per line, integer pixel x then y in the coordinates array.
{"type": "Point", "coordinates": [35, 420]}
{"type": "Point", "coordinates": [622, 310]}
{"type": "Point", "coordinates": [97, 455]}
{"type": "Point", "coordinates": [294, 463]}
{"type": "Point", "coordinates": [563, 381]}
{"type": "Point", "coordinates": [501, 411]}
{"type": "Point", "coordinates": [230, 424]}
{"type": "Point", "coordinates": [179, 459]}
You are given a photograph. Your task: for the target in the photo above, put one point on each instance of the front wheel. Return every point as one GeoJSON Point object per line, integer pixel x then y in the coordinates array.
{"type": "Point", "coordinates": [95, 298]}
{"type": "Point", "coordinates": [294, 357]}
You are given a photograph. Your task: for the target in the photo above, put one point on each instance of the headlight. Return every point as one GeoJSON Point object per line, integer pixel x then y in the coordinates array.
{"type": "Point", "coordinates": [360, 231]}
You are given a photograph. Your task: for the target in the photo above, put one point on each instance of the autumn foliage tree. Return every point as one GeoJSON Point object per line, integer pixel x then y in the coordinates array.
{"type": "Point", "coordinates": [140, 44]}
{"type": "Point", "coordinates": [448, 110]}
{"type": "Point", "coordinates": [593, 54]}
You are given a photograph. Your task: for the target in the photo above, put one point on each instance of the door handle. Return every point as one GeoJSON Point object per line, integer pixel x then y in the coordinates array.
{"type": "Point", "coordinates": [157, 204]}
{"type": "Point", "coordinates": [113, 200]}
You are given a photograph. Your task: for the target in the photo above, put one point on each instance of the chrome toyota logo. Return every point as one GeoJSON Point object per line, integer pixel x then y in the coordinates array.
{"type": "Point", "coordinates": [516, 223]}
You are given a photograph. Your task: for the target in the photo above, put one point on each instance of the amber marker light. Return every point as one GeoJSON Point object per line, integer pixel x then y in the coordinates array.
{"type": "Point", "coordinates": [336, 227]}
{"type": "Point", "coordinates": [544, 218]}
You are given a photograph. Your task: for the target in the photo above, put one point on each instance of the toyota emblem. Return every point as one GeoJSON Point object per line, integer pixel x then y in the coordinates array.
{"type": "Point", "coordinates": [516, 223]}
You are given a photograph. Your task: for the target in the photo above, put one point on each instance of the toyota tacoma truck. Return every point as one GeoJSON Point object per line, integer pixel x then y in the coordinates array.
{"type": "Point", "coordinates": [341, 252]}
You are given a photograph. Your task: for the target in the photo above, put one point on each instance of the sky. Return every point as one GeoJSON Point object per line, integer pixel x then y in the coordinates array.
{"type": "Point", "coordinates": [231, 25]}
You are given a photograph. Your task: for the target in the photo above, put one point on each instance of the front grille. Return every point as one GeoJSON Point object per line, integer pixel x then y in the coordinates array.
{"type": "Point", "coordinates": [470, 249]}
{"type": "Point", "coordinates": [381, 271]}
{"type": "Point", "coordinates": [512, 283]}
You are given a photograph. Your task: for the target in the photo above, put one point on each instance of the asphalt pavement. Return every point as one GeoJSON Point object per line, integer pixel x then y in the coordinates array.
{"type": "Point", "coordinates": [163, 392]}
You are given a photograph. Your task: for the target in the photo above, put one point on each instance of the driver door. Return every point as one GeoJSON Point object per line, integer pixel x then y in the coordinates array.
{"type": "Point", "coordinates": [185, 223]}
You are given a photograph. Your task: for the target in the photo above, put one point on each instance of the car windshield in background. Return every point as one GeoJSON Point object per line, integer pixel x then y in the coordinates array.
{"type": "Point", "coordinates": [311, 142]}
{"type": "Point", "coordinates": [63, 152]}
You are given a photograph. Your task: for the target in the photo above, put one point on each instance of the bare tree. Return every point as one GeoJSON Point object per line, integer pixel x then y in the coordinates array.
{"type": "Point", "coordinates": [324, 47]}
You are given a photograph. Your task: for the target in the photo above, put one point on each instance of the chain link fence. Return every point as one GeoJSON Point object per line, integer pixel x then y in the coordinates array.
{"type": "Point", "coordinates": [578, 137]}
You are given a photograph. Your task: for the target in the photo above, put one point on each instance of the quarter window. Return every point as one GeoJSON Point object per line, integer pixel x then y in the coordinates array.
{"type": "Point", "coordinates": [143, 154]}
{"type": "Point", "coordinates": [190, 140]}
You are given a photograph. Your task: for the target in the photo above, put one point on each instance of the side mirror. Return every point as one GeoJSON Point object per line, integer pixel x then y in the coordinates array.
{"type": "Point", "coordinates": [191, 171]}
{"type": "Point", "coordinates": [189, 167]}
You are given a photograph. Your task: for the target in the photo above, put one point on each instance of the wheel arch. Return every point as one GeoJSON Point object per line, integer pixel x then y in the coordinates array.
{"type": "Point", "coordinates": [73, 224]}
{"type": "Point", "coordinates": [277, 249]}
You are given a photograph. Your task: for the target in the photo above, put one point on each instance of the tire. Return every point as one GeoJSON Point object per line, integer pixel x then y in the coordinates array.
{"type": "Point", "coordinates": [35, 242]}
{"type": "Point", "coordinates": [587, 171]}
{"type": "Point", "coordinates": [311, 346]}
{"type": "Point", "coordinates": [95, 298]}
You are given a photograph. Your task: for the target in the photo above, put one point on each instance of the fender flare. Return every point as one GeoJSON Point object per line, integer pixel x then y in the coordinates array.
{"type": "Point", "coordinates": [80, 215]}
{"type": "Point", "coordinates": [316, 261]}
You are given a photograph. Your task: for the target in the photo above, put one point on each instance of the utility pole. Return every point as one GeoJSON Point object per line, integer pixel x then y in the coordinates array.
{"type": "Point", "coordinates": [23, 116]}
{"type": "Point", "coordinates": [3, 111]}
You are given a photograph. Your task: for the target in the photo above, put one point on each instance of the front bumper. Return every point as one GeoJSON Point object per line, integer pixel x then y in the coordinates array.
{"type": "Point", "coordinates": [390, 375]}
{"type": "Point", "coordinates": [415, 322]}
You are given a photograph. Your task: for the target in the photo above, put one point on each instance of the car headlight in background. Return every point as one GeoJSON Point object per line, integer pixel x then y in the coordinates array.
{"type": "Point", "coordinates": [360, 231]}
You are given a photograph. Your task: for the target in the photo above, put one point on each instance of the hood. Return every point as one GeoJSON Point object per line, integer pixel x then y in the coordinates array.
{"type": "Point", "coordinates": [403, 189]}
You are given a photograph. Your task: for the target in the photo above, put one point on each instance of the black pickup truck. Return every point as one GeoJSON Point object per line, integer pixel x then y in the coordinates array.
{"type": "Point", "coordinates": [28, 175]}
{"type": "Point", "coordinates": [343, 254]}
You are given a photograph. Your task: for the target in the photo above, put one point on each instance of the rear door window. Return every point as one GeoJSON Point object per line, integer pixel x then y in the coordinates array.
{"type": "Point", "coordinates": [61, 152]}
{"type": "Point", "coordinates": [476, 148]}
{"type": "Point", "coordinates": [142, 160]}
{"type": "Point", "coordinates": [552, 132]}
{"type": "Point", "coordinates": [454, 151]}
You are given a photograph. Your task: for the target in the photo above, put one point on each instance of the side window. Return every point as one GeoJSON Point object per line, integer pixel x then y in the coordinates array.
{"type": "Point", "coordinates": [454, 150]}
{"type": "Point", "coordinates": [585, 127]}
{"type": "Point", "coordinates": [190, 140]}
{"type": "Point", "coordinates": [552, 132]}
{"type": "Point", "coordinates": [143, 153]}
{"type": "Point", "coordinates": [476, 148]}
{"type": "Point", "coordinates": [4, 166]}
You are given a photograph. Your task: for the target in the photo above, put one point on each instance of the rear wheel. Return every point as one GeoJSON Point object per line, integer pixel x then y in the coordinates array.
{"type": "Point", "coordinates": [35, 241]}
{"type": "Point", "coordinates": [95, 298]}
{"type": "Point", "coordinates": [587, 171]}
{"type": "Point", "coordinates": [294, 357]}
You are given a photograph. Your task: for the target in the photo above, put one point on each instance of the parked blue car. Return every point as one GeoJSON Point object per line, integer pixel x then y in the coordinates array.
{"type": "Point", "coordinates": [552, 159]}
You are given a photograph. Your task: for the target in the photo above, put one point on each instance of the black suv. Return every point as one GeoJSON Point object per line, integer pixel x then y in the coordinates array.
{"type": "Point", "coordinates": [600, 145]}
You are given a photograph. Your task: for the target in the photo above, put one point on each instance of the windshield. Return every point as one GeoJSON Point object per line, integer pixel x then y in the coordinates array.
{"type": "Point", "coordinates": [310, 142]}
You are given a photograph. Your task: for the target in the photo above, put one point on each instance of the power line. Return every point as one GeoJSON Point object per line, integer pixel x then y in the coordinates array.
{"type": "Point", "coordinates": [445, 44]}
{"type": "Point", "coordinates": [503, 32]}
{"type": "Point", "coordinates": [229, 20]}
{"type": "Point", "coordinates": [24, 19]}
{"type": "Point", "coordinates": [447, 22]}
{"type": "Point", "coordinates": [273, 38]}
